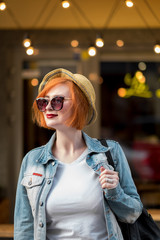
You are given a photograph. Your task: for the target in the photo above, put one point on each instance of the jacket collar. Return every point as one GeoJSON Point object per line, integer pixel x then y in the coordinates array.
{"type": "Point", "coordinates": [93, 144]}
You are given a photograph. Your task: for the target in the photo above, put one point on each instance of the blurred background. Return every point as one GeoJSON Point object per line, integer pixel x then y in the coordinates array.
{"type": "Point", "coordinates": [116, 46]}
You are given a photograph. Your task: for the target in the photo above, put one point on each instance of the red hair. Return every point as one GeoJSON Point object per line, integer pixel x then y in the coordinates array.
{"type": "Point", "coordinates": [80, 105]}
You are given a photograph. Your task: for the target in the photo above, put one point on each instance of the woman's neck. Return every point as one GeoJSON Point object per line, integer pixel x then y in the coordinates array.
{"type": "Point", "coordinates": [69, 145]}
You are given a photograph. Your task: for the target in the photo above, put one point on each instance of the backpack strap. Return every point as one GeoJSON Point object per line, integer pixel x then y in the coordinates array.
{"type": "Point", "coordinates": [108, 153]}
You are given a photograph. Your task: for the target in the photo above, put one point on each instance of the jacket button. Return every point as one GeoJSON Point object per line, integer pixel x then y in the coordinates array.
{"type": "Point", "coordinates": [41, 224]}
{"type": "Point", "coordinates": [53, 163]}
{"type": "Point", "coordinates": [41, 203]}
{"type": "Point", "coordinates": [30, 183]}
{"type": "Point", "coordinates": [49, 181]}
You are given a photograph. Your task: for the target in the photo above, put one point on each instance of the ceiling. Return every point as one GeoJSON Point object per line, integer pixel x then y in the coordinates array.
{"type": "Point", "coordinates": [82, 14]}
{"type": "Point", "coordinates": [48, 24]}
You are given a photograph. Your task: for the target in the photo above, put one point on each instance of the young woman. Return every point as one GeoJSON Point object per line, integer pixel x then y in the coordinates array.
{"type": "Point", "coordinates": [66, 188]}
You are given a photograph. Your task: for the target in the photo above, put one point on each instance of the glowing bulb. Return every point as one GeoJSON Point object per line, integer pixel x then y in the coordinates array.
{"type": "Point", "coordinates": [122, 92]}
{"type": "Point", "coordinates": [158, 93]}
{"type": "Point", "coordinates": [34, 82]}
{"type": "Point", "coordinates": [30, 50]}
{"type": "Point", "coordinates": [129, 3]}
{"type": "Point", "coordinates": [140, 77]}
{"type": "Point", "coordinates": [120, 43]}
{"type": "Point", "coordinates": [26, 42]}
{"type": "Point", "coordinates": [99, 42]}
{"type": "Point", "coordinates": [74, 43]}
{"type": "Point", "coordinates": [65, 4]}
{"type": "Point", "coordinates": [92, 51]}
{"type": "Point", "coordinates": [157, 48]}
{"type": "Point", "coordinates": [2, 6]}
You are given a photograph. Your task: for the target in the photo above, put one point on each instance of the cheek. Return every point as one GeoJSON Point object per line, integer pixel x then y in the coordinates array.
{"type": "Point", "coordinates": [67, 110]}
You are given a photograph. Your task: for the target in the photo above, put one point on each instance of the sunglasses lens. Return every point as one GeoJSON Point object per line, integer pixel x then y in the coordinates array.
{"type": "Point", "coordinates": [57, 103]}
{"type": "Point", "coordinates": [42, 104]}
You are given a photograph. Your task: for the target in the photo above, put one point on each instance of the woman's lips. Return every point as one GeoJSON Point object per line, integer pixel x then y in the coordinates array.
{"type": "Point", "coordinates": [51, 115]}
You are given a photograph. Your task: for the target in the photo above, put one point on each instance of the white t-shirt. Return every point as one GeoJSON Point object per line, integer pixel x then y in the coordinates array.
{"type": "Point", "coordinates": [74, 207]}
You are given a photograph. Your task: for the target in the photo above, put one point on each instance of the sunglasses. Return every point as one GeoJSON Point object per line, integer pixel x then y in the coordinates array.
{"type": "Point", "coordinates": [56, 103]}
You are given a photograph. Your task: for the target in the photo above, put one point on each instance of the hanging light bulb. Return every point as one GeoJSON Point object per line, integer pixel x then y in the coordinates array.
{"type": "Point", "coordinates": [34, 82]}
{"type": "Point", "coordinates": [27, 42]}
{"type": "Point", "coordinates": [157, 48]}
{"type": "Point", "coordinates": [92, 51]}
{"type": "Point", "coordinates": [2, 6]}
{"type": "Point", "coordinates": [129, 3]}
{"type": "Point", "coordinates": [99, 41]}
{"type": "Point", "coordinates": [65, 4]}
{"type": "Point", "coordinates": [74, 43]}
{"type": "Point", "coordinates": [120, 43]}
{"type": "Point", "coordinates": [30, 51]}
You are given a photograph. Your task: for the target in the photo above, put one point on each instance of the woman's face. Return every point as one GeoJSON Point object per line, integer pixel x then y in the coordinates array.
{"type": "Point", "coordinates": [56, 119]}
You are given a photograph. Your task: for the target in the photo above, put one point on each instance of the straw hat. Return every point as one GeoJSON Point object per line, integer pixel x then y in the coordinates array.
{"type": "Point", "coordinates": [81, 81]}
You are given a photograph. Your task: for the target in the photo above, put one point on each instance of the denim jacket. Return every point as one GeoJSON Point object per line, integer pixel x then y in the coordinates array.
{"type": "Point", "coordinates": [36, 178]}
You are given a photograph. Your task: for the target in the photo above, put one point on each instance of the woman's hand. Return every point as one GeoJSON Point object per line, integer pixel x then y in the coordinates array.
{"type": "Point", "coordinates": [108, 178]}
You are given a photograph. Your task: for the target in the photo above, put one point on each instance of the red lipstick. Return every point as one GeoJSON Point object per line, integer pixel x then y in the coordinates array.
{"type": "Point", "coordinates": [49, 116]}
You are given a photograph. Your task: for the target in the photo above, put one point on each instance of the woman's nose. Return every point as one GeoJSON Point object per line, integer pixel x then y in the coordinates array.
{"type": "Point", "coordinates": [49, 107]}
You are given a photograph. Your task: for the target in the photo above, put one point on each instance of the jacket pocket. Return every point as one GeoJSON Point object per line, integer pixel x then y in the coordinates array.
{"type": "Point", "coordinates": [33, 185]}
{"type": "Point", "coordinates": [31, 181]}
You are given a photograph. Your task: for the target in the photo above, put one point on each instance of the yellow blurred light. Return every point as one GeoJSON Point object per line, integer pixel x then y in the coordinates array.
{"type": "Point", "coordinates": [157, 48]}
{"type": "Point", "coordinates": [120, 43]}
{"type": "Point", "coordinates": [128, 79]}
{"type": "Point", "coordinates": [26, 42]}
{"type": "Point", "coordinates": [139, 75]}
{"type": "Point", "coordinates": [99, 42]}
{"type": "Point", "coordinates": [34, 82]}
{"type": "Point", "coordinates": [84, 55]}
{"type": "Point", "coordinates": [158, 93]}
{"type": "Point", "coordinates": [65, 4]}
{"type": "Point", "coordinates": [129, 3]}
{"type": "Point", "coordinates": [74, 43]}
{"type": "Point", "coordinates": [30, 50]}
{"type": "Point", "coordinates": [122, 92]}
{"type": "Point", "coordinates": [2, 6]}
{"type": "Point", "coordinates": [142, 80]}
{"type": "Point", "coordinates": [92, 51]}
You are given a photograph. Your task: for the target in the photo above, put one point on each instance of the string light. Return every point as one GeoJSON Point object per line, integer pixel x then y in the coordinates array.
{"type": "Point", "coordinates": [157, 48]}
{"type": "Point", "coordinates": [30, 51]}
{"type": "Point", "coordinates": [129, 3]}
{"type": "Point", "coordinates": [65, 4]}
{"type": "Point", "coordinates": [27, 42]}
{"type": "Point", "coordinates": [120, 43]}
{"type": "Point", "coordinates": [74, 43]}
{"type": "Point", "coordinates": [92, 51]}
{"type": "Point", "coordinates": [99, 41]}
{"type": "Point", "coordinates": [2, 6]}
{"type": "Point", "coordinates": [34, 82]}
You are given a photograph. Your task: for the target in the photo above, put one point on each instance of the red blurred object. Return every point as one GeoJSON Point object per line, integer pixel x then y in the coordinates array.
{"type": "Point", "coordinates": [146, 161]}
